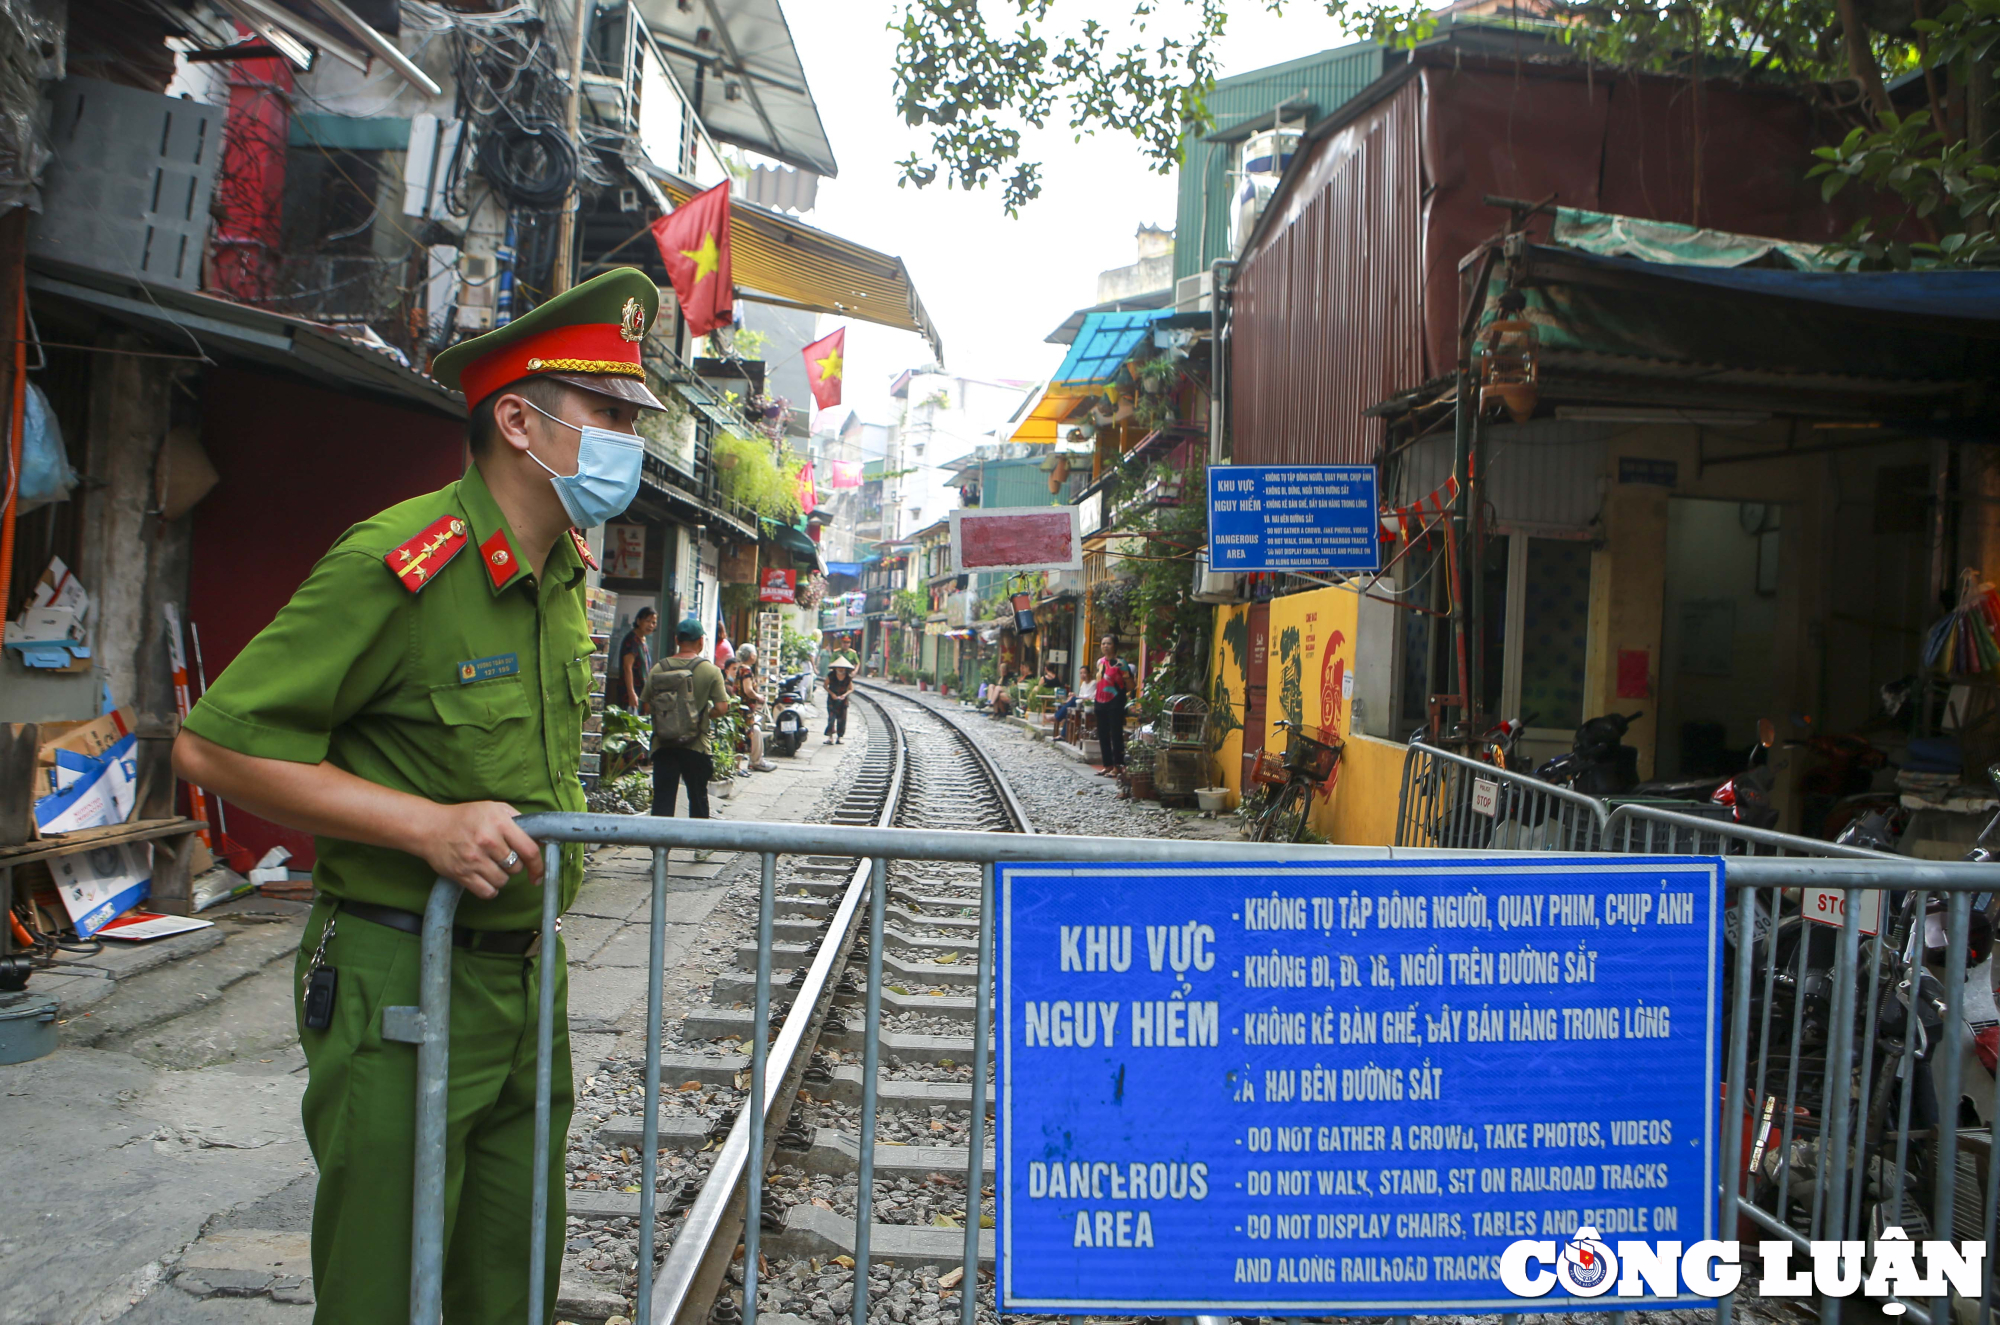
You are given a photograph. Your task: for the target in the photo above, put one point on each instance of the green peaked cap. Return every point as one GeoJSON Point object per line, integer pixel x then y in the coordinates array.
{"type": "Point", "coordinates": [585, 335]}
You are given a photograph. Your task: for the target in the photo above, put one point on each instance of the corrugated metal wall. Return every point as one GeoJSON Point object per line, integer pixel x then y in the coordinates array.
{"type": "Point", "coordinates": [1543, 475]}
{"type": "Point", "coordinates": [1329, 311]}
{"type": "Point", "coordinates": [1014, 483]}
{"type": "Point", "coordinates": [1201, 227]}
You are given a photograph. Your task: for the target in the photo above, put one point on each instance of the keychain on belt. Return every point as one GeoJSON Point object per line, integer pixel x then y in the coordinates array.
{"type": "Point", "coordinates": [321, 980]}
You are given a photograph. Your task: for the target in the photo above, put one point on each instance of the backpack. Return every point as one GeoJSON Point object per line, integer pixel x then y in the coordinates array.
{"type": "Point", "coordinates": [677, 716]}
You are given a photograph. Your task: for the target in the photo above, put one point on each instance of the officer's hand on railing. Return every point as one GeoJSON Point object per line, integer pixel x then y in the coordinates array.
{"type": "Point", "coordinates": [478, 847]}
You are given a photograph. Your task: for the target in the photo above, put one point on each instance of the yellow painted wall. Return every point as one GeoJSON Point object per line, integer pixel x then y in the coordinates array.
{"type": "Point", "coordinates": [1363, 812]}
{"type": "Point", "coordinates": [1228, 693]}
{"type": "Point", "coordinates": [1312, 666]}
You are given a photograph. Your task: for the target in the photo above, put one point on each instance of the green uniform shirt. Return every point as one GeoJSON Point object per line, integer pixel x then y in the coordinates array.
{"type": "Point", "coordinates": [473, 688]}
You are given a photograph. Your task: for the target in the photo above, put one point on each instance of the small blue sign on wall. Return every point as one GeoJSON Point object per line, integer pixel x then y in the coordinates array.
{"type": "Point", "coordinates": [1348, 1087]}
{"type": "Point", "coordinates": [1293, 518]}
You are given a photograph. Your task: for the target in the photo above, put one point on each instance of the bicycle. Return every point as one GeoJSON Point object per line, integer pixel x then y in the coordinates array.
{"type": "Point", "coordinates": [1311, 760]}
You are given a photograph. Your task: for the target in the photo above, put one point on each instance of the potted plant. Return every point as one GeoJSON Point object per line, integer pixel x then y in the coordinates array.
{"type": "Point", "coordinates": [625, 744]}
{"type": "Point", "coordinates": [723, 734]}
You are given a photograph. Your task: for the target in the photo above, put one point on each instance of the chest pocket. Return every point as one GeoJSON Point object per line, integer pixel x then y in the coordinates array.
{"type": "Point", "coordinates": [579, 681]}
{"type": "Point", "coordinates": [489, 737]}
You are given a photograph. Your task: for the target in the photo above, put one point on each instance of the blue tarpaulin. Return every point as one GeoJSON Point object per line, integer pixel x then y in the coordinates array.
{"type": "Point", "coordinates": [843, 568]}
{"type": "Point", "coordinates": [1964, 301]}
{"type": "Point", "coordinates": [1105, 341]}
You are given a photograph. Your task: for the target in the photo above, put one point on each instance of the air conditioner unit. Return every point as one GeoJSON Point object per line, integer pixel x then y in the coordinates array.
{"type": "Point", "coordinates": [1191, 293]}
{"type": "Point", "coordinates": [1215, 586]}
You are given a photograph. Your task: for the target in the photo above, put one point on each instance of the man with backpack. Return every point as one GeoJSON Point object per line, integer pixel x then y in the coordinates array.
{"type": "Point", "coordinates": [684, 693]}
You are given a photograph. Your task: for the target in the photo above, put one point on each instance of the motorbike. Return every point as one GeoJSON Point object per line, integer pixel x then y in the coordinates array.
{"type": "Point", "coordinates": [1599, 763]}
{"type": "Point", "coordinates": [788, 719]}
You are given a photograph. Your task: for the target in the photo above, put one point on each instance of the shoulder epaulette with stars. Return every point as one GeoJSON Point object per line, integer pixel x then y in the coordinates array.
{"type": "Point", "coordinates": [419, 560]}
{"type": "Point", "coordinates": [582, 549]}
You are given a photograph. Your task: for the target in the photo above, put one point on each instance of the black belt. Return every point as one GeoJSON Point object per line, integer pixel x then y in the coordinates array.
{"type": "Point", "coordinates": [503, 942]}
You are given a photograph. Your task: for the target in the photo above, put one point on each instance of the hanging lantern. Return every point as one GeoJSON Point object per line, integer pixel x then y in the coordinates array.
{"type": "Point", "coordinates": [1509, 360]}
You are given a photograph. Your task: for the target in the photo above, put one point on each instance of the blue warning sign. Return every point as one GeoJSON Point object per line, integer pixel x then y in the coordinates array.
{"type": "Point", "coordinates": [1349, 1087]}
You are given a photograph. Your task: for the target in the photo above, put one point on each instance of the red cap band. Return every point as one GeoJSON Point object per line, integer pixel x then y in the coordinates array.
{"type": "Point", "coordinates": [596, 347]}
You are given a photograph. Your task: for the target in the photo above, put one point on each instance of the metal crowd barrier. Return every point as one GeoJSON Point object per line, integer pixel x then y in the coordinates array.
{"type": "Point", "coordinates": [1777, 1192]}
{"type": "Point", "coordinates": [1452, 800]}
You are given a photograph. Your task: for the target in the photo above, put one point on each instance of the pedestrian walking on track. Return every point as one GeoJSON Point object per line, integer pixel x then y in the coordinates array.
{"type": "Point", "coordinates": [839, 689]}
{"type": "Point", "coordinates": [427, 684]}
{"type": "Point", "coordinates": [684, 694]}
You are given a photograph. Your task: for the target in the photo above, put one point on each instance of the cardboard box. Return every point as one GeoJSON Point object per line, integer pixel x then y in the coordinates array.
{"type": "Point", "coordinates": [91, 737]}
{"type": "Point", "coordinates": [46, 625]}
{"type": "Point", "coordinates": [58, 588]}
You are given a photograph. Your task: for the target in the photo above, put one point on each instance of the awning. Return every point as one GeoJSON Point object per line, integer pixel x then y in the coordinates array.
{"type": "Point", "coordinates": [791, 539]}
{"type": "Point", "coordinates": [1042, 423]}
{"type": "Point", "coordinates": [1102, 345]}
{"type": "Point", "coordinates": [851, 568]}
{"type": "Point", "coordinates": [753, 88]}
{"type": "Point", "coordinates": [778, 260]}
{"type": "Point", "coordinates": [1619, 333]}
{"type": "Point", "coordinates": [217, 328]}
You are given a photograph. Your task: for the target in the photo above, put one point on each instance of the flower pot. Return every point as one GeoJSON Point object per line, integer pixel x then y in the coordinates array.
{"type": "Point", "coordinates": [1213, 799]}
{"type": "Point", "coordinates": [724, 789]}
{"type": "Point", "coordinates": [1141, 785]}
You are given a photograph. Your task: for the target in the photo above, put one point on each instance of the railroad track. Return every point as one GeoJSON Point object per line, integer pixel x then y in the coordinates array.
{"type": "Point", "coordinates": [920, 771]}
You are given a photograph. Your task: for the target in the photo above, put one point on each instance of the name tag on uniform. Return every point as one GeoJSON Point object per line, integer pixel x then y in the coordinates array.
{"type": "Point", "coordinates": [485, 669]}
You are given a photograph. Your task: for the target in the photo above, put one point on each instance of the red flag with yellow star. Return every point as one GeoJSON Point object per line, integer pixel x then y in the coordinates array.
{"type": "Point", "coordinates": [826, 365]}
{"type": "Point", "coordinates": [694, 243]}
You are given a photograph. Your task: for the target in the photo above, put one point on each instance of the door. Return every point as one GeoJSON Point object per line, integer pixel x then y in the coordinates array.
{"type": "Point", "coordinates": [1718, 638]}
{"type": "Point", "coordinates": [1256, 672]}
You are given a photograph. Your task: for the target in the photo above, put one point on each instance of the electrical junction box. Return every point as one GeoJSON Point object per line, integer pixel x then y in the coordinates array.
{"type": "Point", "coordinates": [128, 190]}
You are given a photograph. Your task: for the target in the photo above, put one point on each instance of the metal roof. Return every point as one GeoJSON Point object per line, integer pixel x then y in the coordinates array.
{"type": "Point", "coordinates": [1316, 85]}
{"type": "Point", "coordinates": [1066, 333]}
{"type": "Point", "coordinates": [213, 328]}
{"type": "Point", "coordinates": [745, 45]}
{"type": "Point", "coordinates": [1102, 345]}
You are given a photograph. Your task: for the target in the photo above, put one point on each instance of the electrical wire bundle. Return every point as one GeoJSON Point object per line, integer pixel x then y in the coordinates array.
{"type": "Point", "coordinates": [532, 162]}
{"type": "Point", "coordinates": [1963, 643]}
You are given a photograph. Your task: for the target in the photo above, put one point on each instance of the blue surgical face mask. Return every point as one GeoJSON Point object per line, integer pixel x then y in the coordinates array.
{"type": "Point", "coordinates": [607, 473]}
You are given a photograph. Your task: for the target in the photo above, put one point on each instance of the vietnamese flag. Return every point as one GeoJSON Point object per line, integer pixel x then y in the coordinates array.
{"type": "Point", "coordinates": [806, 491]}
{"type": "Point", "coordinates": [694, 243]}
{"type": "Point", "coordinates": [846, 474]}
{"type": "Point", "coordinates": [826, 364]}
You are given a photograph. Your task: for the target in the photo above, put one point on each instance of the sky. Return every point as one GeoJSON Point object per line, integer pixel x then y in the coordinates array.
{"type": "Point", "coordinates": [994, 286]}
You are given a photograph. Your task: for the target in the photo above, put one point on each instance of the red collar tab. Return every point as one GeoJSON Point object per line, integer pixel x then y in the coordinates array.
{"type": "Point", "coordinates": [582, 549]}
{"type": "Point", "coordinates": [498, 556]}
{"type": "Point", "coordinates": [417, 562]}
{"type": "Point", "coordinates": [588, 347]}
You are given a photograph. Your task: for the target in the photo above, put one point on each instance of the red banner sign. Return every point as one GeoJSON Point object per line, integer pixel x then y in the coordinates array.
{"type": "Point", "coordinates": [778, 586]}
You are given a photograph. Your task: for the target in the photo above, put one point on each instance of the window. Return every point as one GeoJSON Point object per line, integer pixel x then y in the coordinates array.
{"type": "Point", "coordinates": [1535, 636]}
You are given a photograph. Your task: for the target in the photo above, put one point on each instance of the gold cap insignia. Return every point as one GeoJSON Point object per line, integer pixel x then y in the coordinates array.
{"type": "Point", "coordinates": [632, 321]}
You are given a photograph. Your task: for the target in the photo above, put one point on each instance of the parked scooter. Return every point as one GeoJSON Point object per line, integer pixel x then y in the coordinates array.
{"type": "Point", "coordinates": [788, 721]}
{"type": "Point", "coordinates": [1599, 763]}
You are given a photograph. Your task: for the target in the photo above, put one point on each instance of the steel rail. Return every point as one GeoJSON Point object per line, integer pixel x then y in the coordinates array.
{"type": "Point", "coordinates": [982, 1027]}
{"type": "Point", "coordinates": [697, 1265]}
{"type": "Point", "coordinates": [686, 1288]}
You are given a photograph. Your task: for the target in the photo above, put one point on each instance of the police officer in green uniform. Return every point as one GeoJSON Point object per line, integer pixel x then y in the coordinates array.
{"type": "Point", "coordinates": [426, 684]}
